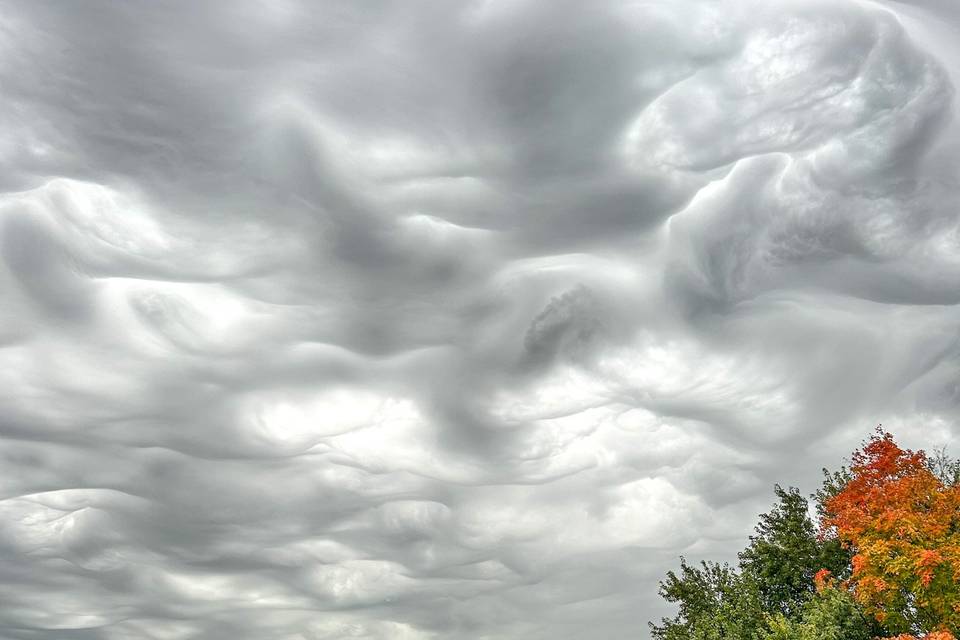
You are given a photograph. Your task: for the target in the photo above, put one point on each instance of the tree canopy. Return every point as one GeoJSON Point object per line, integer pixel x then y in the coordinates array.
{"type": "Point", "coordinates": [882, 562]}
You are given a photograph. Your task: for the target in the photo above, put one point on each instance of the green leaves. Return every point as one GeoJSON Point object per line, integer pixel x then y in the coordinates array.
{"type": "Point", "coordinates": [785, 554]}
{"type": "Point", "coordinates": [772, 590]}
{"type": "Point", "coordinates": [715, 603]}
{"type": "Point", "coordinates": [831, 614]}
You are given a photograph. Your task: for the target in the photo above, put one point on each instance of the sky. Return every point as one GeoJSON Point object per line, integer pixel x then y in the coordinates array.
{"type": "Point", "coordinates": [430, 319]}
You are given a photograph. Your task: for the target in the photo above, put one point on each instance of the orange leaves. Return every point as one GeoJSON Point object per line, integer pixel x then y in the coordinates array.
{"type": "Point", "coordinates": [858, 564]}
{"type": "Point", "coordinates": [903, 524]}
{"type": "Point", "coordinates": [823, 580]}
{"type": "Point", "coordinates": [928, 562]}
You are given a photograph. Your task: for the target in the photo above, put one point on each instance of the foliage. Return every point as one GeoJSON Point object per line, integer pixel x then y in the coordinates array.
{"type": "Point", "coordinates": [774, 577]}
{"type": "Point", "coordinates": [715, 603]}
{"type": "Point", "coordinates": [885, 561]}
{"type": "Point", "coordinates": [833, 483]}
{"type": "Point", "coordinates": [786, 553]}
{"type": "Point", "coordinates": [903, 523]}
{"type": "Point", "coordinates": [831, 614]}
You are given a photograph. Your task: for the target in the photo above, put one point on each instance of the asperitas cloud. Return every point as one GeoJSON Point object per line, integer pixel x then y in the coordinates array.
{"type": "Point", "coordinates": [427, 320]}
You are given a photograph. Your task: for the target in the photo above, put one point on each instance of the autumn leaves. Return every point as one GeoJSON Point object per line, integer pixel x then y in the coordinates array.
{"type": "Point", "coordinates": [903, 524]}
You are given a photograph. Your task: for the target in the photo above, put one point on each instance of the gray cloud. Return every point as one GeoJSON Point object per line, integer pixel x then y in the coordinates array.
{"type": "Point", "coordinates": [447, 320]}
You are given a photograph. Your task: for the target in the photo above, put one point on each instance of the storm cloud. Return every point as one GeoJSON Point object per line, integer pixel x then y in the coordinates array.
{"type": "Point", "coordinates": [428, 320]}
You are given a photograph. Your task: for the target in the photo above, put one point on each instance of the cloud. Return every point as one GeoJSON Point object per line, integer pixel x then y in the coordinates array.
{"type": "Point", "coordinates": [456, 319]}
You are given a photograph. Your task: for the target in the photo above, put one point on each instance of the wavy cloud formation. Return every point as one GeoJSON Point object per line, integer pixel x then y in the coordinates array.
{"type": "Point", "coordinates": [451, 320]}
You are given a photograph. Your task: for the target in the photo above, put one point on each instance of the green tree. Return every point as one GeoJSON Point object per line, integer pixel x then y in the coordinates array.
{"type": "Point", "coordinates": [831, 614]}
{"type": "Point", "coordinates": [715, 603]}
{"type": "Point", "coordinates": [833, 483]}
{"type": "Point", "coordinates": [785, 553]}
{"type": "Point", "coordinates": [774, 578]}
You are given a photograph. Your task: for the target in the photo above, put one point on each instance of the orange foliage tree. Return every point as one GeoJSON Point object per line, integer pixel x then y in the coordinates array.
{"type": "Point", "coordinates": [903, 524]}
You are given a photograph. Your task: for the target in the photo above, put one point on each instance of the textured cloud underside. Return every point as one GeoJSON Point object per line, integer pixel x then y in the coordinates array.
{"type": "Point", "coordinates": [431, 320]}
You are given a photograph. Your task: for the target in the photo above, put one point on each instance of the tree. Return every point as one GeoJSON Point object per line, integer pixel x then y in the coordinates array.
{"type": "Point", "coordinates": [831, 614]}
{"type": "Point", "coordinates": [786, 553]}
{"type": "Point", "coordinates": [902, 522]}
{"type": "Point", "coordinates": [715, 603]}
{"type": "Point", "coordinates": [886, 560]}
{"type": "Point", "coordinates": [944, 467]}
{"type": "Point", "coordinates": [774, 577]}
{"type": "Point", "coordinates": [833, 483]}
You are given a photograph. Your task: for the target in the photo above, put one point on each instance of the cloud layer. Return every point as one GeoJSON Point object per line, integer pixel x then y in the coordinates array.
{"type": "Point", "coordinates": [451, 320]}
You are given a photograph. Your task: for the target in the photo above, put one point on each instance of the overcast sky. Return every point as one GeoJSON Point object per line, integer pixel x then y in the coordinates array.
{"type": "Point", "coordinates": [427, 319]}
